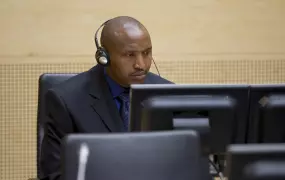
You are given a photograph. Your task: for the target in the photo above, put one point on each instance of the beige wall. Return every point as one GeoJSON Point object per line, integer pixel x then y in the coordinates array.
{"type": "Point", "coordinates": [195, 41]}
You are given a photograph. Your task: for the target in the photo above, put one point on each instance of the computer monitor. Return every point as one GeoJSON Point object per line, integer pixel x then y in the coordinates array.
{"type": "Point", "coordinates": [267, 114]}
{"type": "Point", "coordinates": [218, 109]}
{"type": "Point", "coordinates": [131, 156]}
{"type": "Point", "coordinates": [166, 106]}
{"type": "Point", "coordinates": [255, 162]}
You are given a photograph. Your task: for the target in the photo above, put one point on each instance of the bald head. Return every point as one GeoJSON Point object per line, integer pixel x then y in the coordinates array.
{"type": "Point", "coordinates": [119, 29]}
{"type": "Point", "coordinates": [129, 48]}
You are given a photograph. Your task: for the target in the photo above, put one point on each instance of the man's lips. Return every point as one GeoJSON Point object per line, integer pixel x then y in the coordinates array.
{"type": "Point", "coordinates": [140, 73]}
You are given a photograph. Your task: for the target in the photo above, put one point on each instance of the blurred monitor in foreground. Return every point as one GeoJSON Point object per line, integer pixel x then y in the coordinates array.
{"type": "Point", "coordinates": [131, 156]}
{"type": "Point", "coordinates": [256, 162]}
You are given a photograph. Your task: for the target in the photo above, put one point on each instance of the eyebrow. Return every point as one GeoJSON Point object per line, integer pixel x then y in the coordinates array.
{"type": "Point", "coordinates": [147, 49]}
{"type": "Point", "coordinates": [130, 50]}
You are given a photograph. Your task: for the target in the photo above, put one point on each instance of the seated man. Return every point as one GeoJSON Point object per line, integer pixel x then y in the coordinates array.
{"type": "Point", "coordinates": [91, 101]}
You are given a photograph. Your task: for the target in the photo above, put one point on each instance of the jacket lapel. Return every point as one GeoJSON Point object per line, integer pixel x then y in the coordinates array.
{"type": "Point", "coordinates": [102, 101]}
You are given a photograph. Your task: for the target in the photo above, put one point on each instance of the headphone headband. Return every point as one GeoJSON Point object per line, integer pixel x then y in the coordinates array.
{"type": "Point", "coordinates": [95, 37]}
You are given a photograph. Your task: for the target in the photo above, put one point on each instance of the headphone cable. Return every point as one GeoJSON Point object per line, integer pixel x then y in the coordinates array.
{"type": "Point", "coordinates": [219, 173]}
{"type": "Point", "coordinates": [155, 67]}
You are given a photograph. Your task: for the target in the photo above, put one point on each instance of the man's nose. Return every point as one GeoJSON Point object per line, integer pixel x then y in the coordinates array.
{"type": "Point", "coordinates": [140, 63]}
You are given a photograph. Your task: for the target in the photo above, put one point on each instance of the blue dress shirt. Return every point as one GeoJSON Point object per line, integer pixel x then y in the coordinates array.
{"type": "Point", "coordinates": [115, 89]}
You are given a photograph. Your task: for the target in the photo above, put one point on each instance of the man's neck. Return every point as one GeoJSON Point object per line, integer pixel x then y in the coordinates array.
{"type": "Point", "coordinates": [109, 74]}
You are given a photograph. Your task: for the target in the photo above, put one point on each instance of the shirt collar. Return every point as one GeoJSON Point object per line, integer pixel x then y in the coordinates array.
{"type": "Point", "coordinates": [115, 88]}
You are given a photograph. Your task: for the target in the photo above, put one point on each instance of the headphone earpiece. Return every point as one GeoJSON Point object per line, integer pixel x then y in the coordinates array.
{"type": "Point", "coordinates": [102, 57]}
{"type": "Point", "coordinates": [101, 54]}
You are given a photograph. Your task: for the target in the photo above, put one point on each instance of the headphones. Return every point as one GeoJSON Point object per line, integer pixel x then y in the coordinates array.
{"type": "Point", "coordinates": [101, 55]}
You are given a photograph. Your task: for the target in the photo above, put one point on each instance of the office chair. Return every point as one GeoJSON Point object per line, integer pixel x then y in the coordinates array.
{"type": "Point", "coordinates": [46, 81]}
{"type": "Point", "coordinates": [164, 155]}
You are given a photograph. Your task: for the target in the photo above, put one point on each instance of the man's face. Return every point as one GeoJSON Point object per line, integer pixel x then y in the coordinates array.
{"type": "Point", "coordinates": [131, 59]}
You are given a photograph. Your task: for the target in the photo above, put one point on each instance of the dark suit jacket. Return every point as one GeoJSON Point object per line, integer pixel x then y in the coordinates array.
{"type": "Point", "coordinates": [82, 104]}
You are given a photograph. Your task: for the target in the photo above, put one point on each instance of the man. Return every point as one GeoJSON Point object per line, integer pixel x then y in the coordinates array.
{"type": "Point", "coordinates": [91, 101]}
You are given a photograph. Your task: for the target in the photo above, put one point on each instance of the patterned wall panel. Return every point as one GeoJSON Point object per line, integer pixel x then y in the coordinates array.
{"type": "Point", "coordinates": [18, 98]}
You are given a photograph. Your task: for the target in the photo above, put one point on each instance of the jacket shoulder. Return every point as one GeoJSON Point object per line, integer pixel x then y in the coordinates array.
{"type": "Point", "coordinates": [155, 79]}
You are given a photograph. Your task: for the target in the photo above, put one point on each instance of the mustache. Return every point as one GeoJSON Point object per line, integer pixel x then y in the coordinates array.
{"type": "Point", "coordinates": [139, 73]}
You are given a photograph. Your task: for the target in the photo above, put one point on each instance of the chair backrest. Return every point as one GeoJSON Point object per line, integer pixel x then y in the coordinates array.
{"type": "Point", "coordinates": [170, 155]}
{"type": "Point", "coordinates": [46, 81]}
